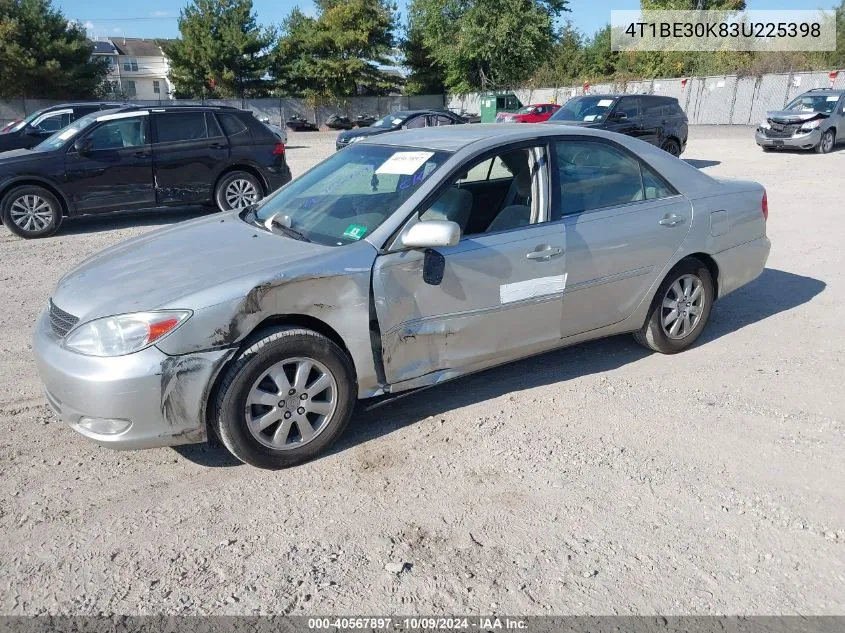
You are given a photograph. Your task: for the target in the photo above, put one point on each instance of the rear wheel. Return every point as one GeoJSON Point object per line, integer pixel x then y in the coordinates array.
{"type": "Point", "coordinates": [671, 146]}
{"type": "Point", "coordinates": [31, 211]}
{"type": "Point", "coordinates": [236, 190]}
{"type": "Point", "coordinates": [680, 310]}
{"type": "Point", "coordinates": [285, 399]}
{"type": "Point", "coordinates": [827, 142]}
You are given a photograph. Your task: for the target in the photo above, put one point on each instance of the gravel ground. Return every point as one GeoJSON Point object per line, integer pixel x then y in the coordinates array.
{"type": "Point", "coordinates": [597, 479]}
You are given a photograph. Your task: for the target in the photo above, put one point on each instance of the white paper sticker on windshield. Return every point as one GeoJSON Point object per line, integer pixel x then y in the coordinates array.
{"type": "Point", "coordinates": [833, 98]}
{"type": "Point", "coordinates": [404, 163]}
{"type": "Point", "coordinates": [605, 102]}
{"type": "Point", "coordinates": [590, 117]}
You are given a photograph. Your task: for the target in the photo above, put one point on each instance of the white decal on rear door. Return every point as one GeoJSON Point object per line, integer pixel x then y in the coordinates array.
{"type": "Point", "coordinates": [532, 288]}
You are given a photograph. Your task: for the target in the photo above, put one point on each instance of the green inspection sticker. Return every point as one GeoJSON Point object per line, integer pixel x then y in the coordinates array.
{"type": "Point", "coordinates": [355, 231]}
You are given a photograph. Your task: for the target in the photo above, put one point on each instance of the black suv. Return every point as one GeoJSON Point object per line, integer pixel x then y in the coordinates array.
{"type": "Point", "coordinates": [30, 131]}
{"type": "Point", "coordinates": [659, 120]}
{"type": "Point", "coordinates": [136, 158]}
{"type": "Point", "coordinates": [403, 120]}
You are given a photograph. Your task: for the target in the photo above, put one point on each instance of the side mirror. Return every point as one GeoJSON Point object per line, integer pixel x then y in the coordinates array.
{"type": "Point", "coordinates": [620, 116]}
{"type": "Point", "coordinates": [31, 130]}
{"type": "Point", "coordinates": [432, 234]}
{"type": "Point", "coordinates": [82, 146]}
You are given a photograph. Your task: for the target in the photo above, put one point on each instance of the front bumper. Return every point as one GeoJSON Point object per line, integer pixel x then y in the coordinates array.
{"type": "Point", "coordinates": [805, 140]}
{"type": "Point", "coordinates": [162, 397]}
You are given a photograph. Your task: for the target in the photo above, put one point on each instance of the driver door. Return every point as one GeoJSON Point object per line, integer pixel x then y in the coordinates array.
{"type": "Point", "coordinates": [116, 170]}
{"type": "Point", "coordinates": [493, 297]}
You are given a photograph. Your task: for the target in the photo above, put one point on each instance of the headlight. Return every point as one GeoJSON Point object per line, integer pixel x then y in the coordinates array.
{"type": "Point", "coordinates": [811, 125]}
{"type": "Point", "coordinates": [124, 333]}
{"type": "Point", "coordinates": [765, 125]}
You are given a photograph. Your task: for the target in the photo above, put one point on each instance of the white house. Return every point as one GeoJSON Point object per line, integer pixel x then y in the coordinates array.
{"type": "Point", "coordinates": [137, 68]}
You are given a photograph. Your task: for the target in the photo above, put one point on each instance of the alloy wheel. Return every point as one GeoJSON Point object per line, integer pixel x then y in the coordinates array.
{"type": "Point", "coordinates": [827, 142]}
{"type": "Point", "coordinates": [683, 306]}
{"type": "Point", "coordinates": [241, 193]}
{"type": "Point", "coordinates": [291, 403]}
{"type": "Point", "coordinates": [31, 213]}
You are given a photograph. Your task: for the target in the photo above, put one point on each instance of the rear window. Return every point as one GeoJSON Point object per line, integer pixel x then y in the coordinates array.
{"type": "Point", "coordinates": [180, 126]}
{"type": "Point", "coordinates": [671, 108]}
{"type": "Point", "coordinates": [232, 125]}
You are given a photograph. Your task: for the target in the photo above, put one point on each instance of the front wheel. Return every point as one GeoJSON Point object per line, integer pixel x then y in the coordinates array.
{"type": "Point", "coordinates": [31, 212]}
{"type": "Point", "coordinates": [236, 190]}
{"type": "Point", "coordinates": [285, 399]}
{"type": "Point", "coordinates": [827, 142]}
{"type": "Point", "coordinates": [680, 309]}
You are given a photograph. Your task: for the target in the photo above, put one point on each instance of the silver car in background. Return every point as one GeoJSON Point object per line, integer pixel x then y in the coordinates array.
{"type": "Point", "coordinates": [396, 264]}
{"type": "Point", "coordinates": [813, 120]}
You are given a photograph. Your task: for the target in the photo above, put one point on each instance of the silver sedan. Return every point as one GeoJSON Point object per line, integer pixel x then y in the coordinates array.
{"type": "Point", "coordinates": [398, 263]}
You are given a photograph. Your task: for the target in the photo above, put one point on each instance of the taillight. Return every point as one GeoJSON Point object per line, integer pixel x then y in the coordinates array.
{"type": "Point", "coordinates": [764, 206]}
{"type": "Point", "coordinates": [279, 149]}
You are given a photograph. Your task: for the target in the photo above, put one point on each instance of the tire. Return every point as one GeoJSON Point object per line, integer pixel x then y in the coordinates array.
{"type": "Point", "coordinates": [827, 142]}
{"type": "Point", "coordinates": [281, 434]}
{"type": "Point", "coordinates": [237, 189]}
{"type": "Point", "coordinates": [671, 146]}
{"type": "Point", "coordinates": [653, 334]}
{"type": "Point", "coordinates": [31, 212]}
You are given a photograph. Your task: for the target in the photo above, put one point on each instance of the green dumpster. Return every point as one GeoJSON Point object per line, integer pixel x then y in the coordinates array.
{"type": "Point", "coordinates": [494, 102]}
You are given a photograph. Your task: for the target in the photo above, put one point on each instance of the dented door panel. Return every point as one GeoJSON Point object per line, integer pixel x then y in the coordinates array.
{"type": "Point", "coordinates": [493, 302]}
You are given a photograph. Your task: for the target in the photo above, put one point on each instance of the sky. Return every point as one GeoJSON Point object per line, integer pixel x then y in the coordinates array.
{"type": "Point", "coordinates": [106, 18]}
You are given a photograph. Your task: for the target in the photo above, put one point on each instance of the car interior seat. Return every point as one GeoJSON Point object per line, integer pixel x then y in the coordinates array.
{"type": "Point", "coordinates": [453, 205]}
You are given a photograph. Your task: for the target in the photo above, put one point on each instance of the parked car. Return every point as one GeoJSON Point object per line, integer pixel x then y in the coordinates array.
{"type": "Point", "coordinates": [398, 263]}
{"type": "Point", "coordinates": [338, 122]}
{"type": "Point", "coordinates": [536, 113]}
{"type": "Point", "coordinates": [9, 125]}
{"type": "Point", "coordinates": [130, 158]}
{"type": "Point", "coordinates": [810, 121]}
{"type": "Point", "coordinates": [301, 124]}
{"type": "Point", "coordinates": [402, 120]}
{"type": "Point", "coordinates": [657, 120]}
{"type": "Point", "coordinates": [39, 125]}
{"type": "Point", "coordinates": [364, 120]}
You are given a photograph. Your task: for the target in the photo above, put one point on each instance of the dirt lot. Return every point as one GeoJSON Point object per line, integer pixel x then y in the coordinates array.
{"type": "Point", "coordinates": [598, 479]}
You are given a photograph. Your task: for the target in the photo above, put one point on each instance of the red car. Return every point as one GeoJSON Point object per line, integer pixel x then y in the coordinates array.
{"type": "Point", "coordinates": [535, 113]}
{"type": "Point", "coordinates": [9, 126]}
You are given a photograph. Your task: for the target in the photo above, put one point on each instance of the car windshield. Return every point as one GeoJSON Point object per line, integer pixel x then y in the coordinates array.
{"type": "Point", "coordinates": [65, 134]}
{"type": "Point", "coordinates": [814, 103]}
{"type": "Point", "coordinates": [24, 122]}
{"type": "Point", "coordinates": [349, 195]}
{"type": "Point", "coordinates": [391, 120]}
{"type": "Point", "coordinates": [584, 109]}
{"type": "Point", "coordinates": [526, 110]}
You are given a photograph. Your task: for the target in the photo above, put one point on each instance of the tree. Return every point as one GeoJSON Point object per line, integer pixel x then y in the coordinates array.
{"type": "Point", "coordinates": [567, 62]}
{"type": "Point", "coordinates": [44, 55]}
{"type": "Point", "coordinates": [222, 51]}
{"type": "Point", "coordinates": [338, 53]}
{"type": "Point", "coordinates": [487, 44]}
{"type": "Point", "coordinates": [692, 5]}
{"type": "Point", "coordinates": [425, 74]}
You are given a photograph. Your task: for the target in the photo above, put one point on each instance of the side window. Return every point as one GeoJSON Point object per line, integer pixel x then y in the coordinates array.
{"type": "Point", "coordinates": [506, 203]}
{"type": "Point", "coordinates": [443, 120]}
{"type": "Point", "coordinates": [180, 126]}
{"type": "Point", "coordinates": [416, 122]}
{"type": "Point", "coordinates": [594, 175]}
{"type": "Point", "coordinates": [232, 125]}
{"type": "Point", "coordinates": [653, 108]}
{"type": "Point", "coordinates": [119, 134]}
{"type": "Point", "coordinates": [630, 106]}
{"type": "Point", "coordinates": [655, 187]}
{"type": "Point", "coordinates": [54, 122]}
{"type": "Point", "coordinates": [213, 128]}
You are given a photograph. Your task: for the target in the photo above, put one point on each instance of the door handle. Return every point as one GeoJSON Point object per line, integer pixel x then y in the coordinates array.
{"type": "Point", "coordinates": [671, 220]}
{"type": "Point", "coordinates": [216, 146]}
{"type": "Point", "coordinates": [141, 154]}
{"type": "Point", "coordinates": [544, 253]}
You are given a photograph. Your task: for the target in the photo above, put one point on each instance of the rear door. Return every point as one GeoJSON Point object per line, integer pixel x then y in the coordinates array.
{"type": "Point", "coordinates": [623, 225]}
{"type": "Point", "coordinates": [116, 171]}
{"type": "Point", "coordinates": [653, 120]}
{"type": "Point", "coordinates": [189, 149]}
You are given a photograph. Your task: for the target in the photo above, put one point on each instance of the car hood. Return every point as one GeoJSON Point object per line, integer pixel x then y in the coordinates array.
{"type": "Point", "coordinates": [794, 116]}
{"type": "Point", "coordinates": [362, 132]}
{"type": "Point", "coordinates": [177, 267]}
{"type": "Point", "coordinates": [17, 156]}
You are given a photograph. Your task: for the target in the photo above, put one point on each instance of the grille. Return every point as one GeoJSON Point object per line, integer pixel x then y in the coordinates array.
{"type": "Point", "coordinates": [783, 130]}
{"type": "Point", "coordinates": [61, 321]}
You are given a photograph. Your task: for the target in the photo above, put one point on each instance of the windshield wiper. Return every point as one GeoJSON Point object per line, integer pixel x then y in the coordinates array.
{"type": "Point", "coordinates": [277, 221]}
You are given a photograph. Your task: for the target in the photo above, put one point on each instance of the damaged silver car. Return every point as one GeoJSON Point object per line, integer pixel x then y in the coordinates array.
{"type": "Point", "coordinates": [813, 120]}
{"type": "Point", "coordinates": [396, 264]}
